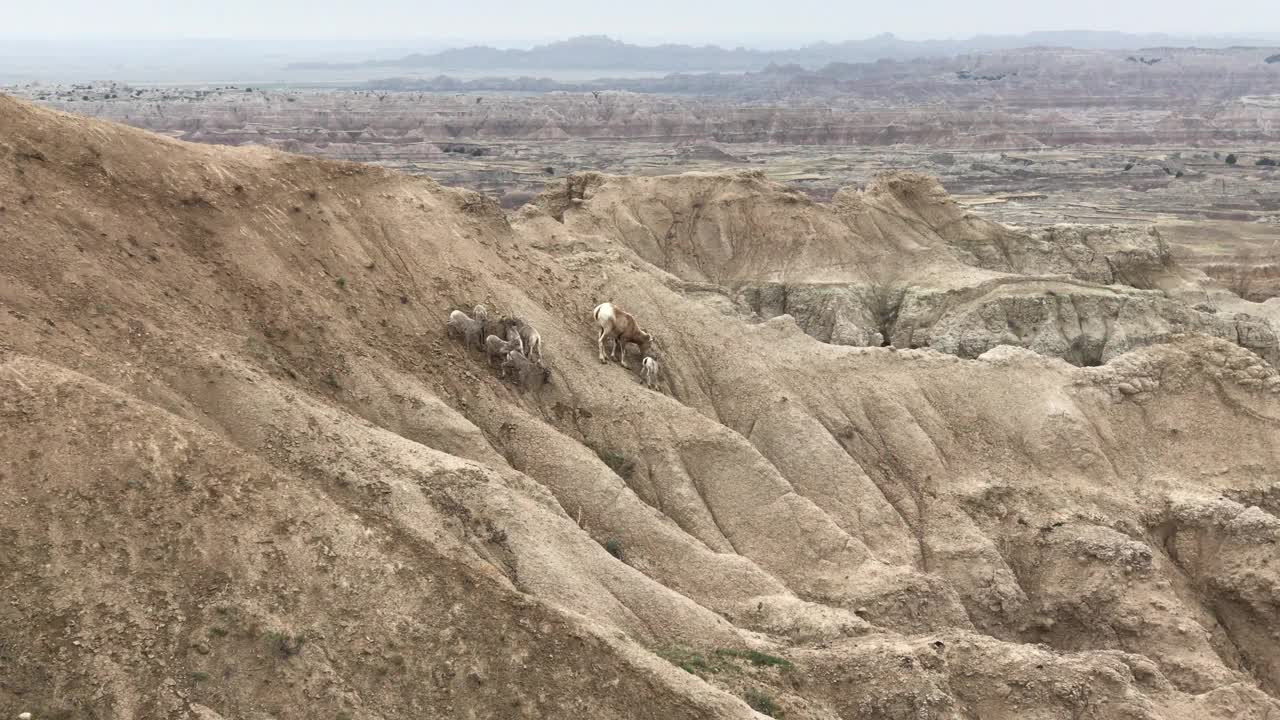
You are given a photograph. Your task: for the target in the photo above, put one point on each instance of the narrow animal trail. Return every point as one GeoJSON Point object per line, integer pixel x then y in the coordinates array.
{"type": "Point", "coordinates": [247, 471]}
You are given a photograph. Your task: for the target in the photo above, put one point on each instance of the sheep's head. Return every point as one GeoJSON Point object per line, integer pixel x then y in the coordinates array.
{"type": "Point", "coordinates": [481, 312]}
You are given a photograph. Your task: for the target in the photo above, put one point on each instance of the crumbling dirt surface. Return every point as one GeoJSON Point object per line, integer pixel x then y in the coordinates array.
{"type": "Point", "coordinates": [245, 474]}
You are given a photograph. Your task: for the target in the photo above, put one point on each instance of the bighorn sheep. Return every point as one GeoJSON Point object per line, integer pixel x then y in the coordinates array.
{"type": "Point", "coordinates": [531, 339]}
{"type": "Point", "coordinates": [469, 328]}
{"type": "Point", "coordinates": [616, 323]}
{"type": "Point", "coordinates": [496, 347]}
{"type": "Point", "coordinates": [649, 372]}
{"type": "Point", "coordinates": [527, 373]}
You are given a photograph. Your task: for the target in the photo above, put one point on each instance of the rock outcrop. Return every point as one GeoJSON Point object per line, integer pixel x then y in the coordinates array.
{"type": "Point", "coordinates": [1083, 293]}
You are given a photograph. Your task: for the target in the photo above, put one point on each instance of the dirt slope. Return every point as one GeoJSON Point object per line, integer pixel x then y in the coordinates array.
{"type": "Point", "coordinates": [247, 475]}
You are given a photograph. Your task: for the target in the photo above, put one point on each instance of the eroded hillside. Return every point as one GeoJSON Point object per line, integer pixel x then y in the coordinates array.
{"type": "Point", "coordinates": [246, 474]}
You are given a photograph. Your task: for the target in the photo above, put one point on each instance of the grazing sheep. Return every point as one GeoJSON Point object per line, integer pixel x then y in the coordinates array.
{"type": "Point", "coordinates": [621, 326]}
{"type": "Point", "coordinates": [467, 327]}
{"type": "Point", "coordinates": [528, 374]}
{"type": "Point", "coordinates": [649, 372]}
{"type": "Point", "coordinates": [498, 348]}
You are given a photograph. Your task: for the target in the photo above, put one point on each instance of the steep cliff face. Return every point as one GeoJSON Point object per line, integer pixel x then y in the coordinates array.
{"type": "Point", "coordinates": [247, 473]}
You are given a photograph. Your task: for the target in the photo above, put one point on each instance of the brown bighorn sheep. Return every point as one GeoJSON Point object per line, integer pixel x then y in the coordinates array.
{"type": "Point", "coordinates": [621, 326]}
{"type": "Point", "coordinates": [649, 372]}
{"type": "Point", "coordinates": [527, 373]}
{"type": "Point", "coordinates": [469, 328]}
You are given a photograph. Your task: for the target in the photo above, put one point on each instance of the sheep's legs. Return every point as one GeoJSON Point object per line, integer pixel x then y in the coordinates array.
{"type": "Point", "coordinates": [600, 342]}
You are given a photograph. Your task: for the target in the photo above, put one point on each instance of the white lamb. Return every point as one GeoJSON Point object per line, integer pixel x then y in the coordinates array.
{"type": "Point", "coordinates": [649, 372]}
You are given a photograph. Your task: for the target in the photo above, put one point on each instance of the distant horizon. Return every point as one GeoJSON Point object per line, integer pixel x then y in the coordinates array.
{"type": "Point", "coordinates": [322, 60]}
{"type": "Point", "coordinates": [524, 42]}
{"type": "Point", "coordinates": [356, 44]}
{"type": "Point", "coordinates": [518, 24]}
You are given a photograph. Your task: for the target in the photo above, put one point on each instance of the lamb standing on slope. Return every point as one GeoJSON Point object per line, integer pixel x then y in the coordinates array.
{"type": "Point", "coordinates": [532, 341]}
{"type": "Point", "coordinates": [471, 329]}
{"type": "Point", "coordinates": [649, 372]}
{"type": "Point", "coordinates": [616, 323]}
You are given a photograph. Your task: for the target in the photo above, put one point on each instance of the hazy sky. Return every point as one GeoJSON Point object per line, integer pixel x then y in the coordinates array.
{"type": "Point", "coordinates": [512, 21]}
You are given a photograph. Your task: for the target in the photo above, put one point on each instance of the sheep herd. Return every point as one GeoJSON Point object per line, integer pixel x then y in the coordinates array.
{"type": "Point", "coordinates": [511, 341]}
{"type": "Point", "coordinates": [518, 347]}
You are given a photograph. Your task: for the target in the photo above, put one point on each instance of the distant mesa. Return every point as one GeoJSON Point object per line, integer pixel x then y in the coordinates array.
{"type": "Point", "coordinates": [603, 53]}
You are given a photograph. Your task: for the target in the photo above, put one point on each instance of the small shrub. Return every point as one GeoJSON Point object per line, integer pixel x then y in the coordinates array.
{"type": "Point", "coordinates": [285, 645]}
{"type": "Point", "coordinates": [1231, 159]}
{"type": "Point", "coordinates": [342, 283]}
{"type": "Point", "coordinates": [613, 546]}
{"type": "Point", "coordinates": [616, 462]}
{"type": "Point", "coordinates": [218, 632]}
{"type": "Point", "coordinates": [1266, 161]}
{"type": "Point", "coordinates": [200, 677]}
{"type": "Point", "coordinates": [762, 703]}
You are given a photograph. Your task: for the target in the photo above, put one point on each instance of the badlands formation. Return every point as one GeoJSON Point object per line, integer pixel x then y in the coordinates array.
{"type": "Point", "coordinates": [902, 462]}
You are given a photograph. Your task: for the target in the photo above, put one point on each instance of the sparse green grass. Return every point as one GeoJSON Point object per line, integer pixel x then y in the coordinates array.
{"type": "Point", "coordinates": [342, 283]}
{"type": "Point", "coordinates": [688, 660]}
{"type": "Point", "coordinates": [217, 631]}
{"type": "Point", "coordinates": [758, 658]}
{"type": "Point", "coordinates": [721, 659]}
{"type": "Point", "coordinates": [762, 703]}
{"type": "Point", "coordinates": [200, 676]}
